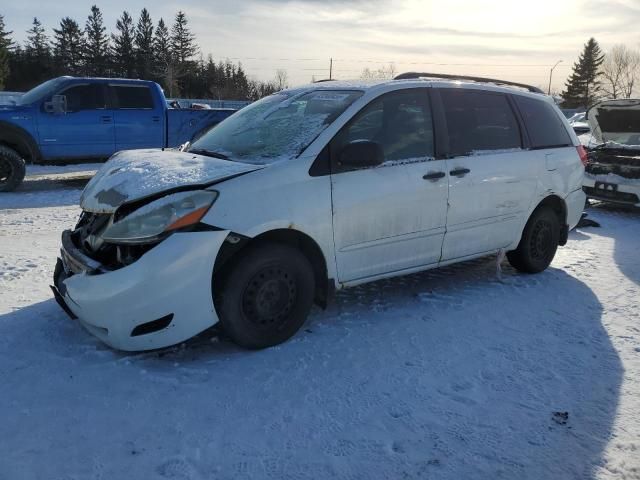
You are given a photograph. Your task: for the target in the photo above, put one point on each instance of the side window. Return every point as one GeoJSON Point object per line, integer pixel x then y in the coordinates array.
{"type": "Point", "coordinates": [545, 128]}
{"type": "Point", "coordinates": [132, 97]}
{"type": "Point", "coordinates": [84, 97]}
{"type": "Point", "coordinates": [399, 121]}
{"type": "Point", "coordinates": [479, 121]}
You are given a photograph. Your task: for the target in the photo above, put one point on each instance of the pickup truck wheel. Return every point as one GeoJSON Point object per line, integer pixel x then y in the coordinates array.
{"type": "Point", "coordinates": [266, 296]}
{"type": "Point", "coordinates": [538, 244]}
{"type": "Point", "coordinates": [12, 169]}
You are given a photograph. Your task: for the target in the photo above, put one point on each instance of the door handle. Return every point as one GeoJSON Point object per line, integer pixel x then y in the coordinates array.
{"type": "Point", "coordinates": [434, 175]}
{"type": "Point", "coordinates": [106, 119]}
{"type": "Point", "coordinates": [459, 172]}
{"type": "Point", "coordinates": [155, 119]}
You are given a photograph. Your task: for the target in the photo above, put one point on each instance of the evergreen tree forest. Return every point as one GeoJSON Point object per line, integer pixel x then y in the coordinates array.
{"type": "Point", "coordinates": [166, 52]}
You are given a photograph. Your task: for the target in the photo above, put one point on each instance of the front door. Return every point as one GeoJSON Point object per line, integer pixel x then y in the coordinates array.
{"type": "Point", "coordinates": [389, 218]}
{"type": "Point", "coordinates": [85, 130]}
{"type": "Point", "coordinates": [492, 180]}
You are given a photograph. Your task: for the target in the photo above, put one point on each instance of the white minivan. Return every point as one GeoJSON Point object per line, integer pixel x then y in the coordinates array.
{"type": "Point", "coordinates": [315, 189]}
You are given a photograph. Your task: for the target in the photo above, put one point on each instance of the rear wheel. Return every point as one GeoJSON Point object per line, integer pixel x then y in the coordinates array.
{"type": "Point", "coordinates": [266, 295]}
{"type": "Point", "coordinates": [12, 169]}
{"type": "Point", "coordinates": [539, 242]}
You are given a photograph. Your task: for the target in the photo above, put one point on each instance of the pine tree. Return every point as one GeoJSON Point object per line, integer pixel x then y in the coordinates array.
{"type": "Point", "coordinates": [68, 47]}
{"type": "Point", "coordinates": [183, 42]}
{"type": "Point", "coordinates": [5, 48]}
{"type": "Point", "coordinates": [161, 45]}
{"type": "Point", "coordinates": [583, 85]}
{"type": "Point", "coordinates": [165, 67]}
{"type": "Point", "coordinates": [97, 44]}
{"type": "Point", "coordinates": [38, 54]}
{"type": "Point", "coordinates": [37, 44]}
{"type": "Point", "coordinates": [144, 45]}
{"type": "Point", "coordinates": [123, 54]}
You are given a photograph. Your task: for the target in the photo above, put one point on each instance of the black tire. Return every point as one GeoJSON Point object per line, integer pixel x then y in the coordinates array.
{"type": "Point", "coordinates": [265, 297]}
{"type": "Point", "coordinates": [12, 169]}
{"type": "Point", "coordinates": [538, 244]}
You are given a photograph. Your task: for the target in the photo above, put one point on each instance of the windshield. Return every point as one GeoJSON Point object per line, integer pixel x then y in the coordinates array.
{"type": "Point", "coordinates": [278, 127]}
{"type": "Point", "coordinates": [40, 92]}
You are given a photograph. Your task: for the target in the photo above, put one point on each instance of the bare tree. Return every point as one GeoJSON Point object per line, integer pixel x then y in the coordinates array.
{"type": "Point", "coordinates": [620, 70]}
{"type": "Point", "coordinates": [281, 80]}
{"type": "Point", "coordinates": [383, 73]}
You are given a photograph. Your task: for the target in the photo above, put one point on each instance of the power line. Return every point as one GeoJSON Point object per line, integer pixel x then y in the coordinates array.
{"type": "Point", "coordinates": [381, 61]}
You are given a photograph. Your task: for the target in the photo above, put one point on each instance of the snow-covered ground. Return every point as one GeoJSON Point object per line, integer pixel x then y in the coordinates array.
{"type": "Point", "coordinates": [449, 374]}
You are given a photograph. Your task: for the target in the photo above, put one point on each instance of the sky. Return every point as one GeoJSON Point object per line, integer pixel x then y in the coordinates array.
{"type": "Point", "coordinates": [510, 39]}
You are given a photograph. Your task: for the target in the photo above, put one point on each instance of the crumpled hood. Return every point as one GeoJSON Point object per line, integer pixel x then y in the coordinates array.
{"type": "Point", "coordinates": [616, 121]}
{"type": "Point", "coordinates": [136, 174]}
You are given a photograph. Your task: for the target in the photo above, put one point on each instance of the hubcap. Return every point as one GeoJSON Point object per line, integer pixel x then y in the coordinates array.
{"type": "Point", "coordinates": [541, 239]}
{"type": "Point", "coordinates": [269, 297]}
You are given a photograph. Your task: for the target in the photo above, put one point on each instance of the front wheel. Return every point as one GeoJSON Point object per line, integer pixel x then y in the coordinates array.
{"type": "Point", "coordinates": [266, 295]}
{"type": "Point", "coordinates": [538, 244]}
{"type": "Point", "coordinates": [12, 169]}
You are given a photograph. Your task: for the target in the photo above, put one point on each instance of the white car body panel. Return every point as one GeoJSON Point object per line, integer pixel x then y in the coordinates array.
{"type": "Point", "coordinates": [388, 218]}
{"type": "Point", "coordinates": [132, 175]}
{"type": "Point", "coordinates": [487, 205]}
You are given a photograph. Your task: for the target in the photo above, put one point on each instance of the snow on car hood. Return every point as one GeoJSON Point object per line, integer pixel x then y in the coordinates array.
{"type": "Point", "coordinates": [616, 121]}
{"type": "Point", "coordinates": [135, 174]}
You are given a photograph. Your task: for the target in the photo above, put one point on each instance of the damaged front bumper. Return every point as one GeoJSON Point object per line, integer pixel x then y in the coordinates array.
{"type": "Point", "coordinates": [612, 188]}
{"type": "Point", "coordinates": [162, 299]}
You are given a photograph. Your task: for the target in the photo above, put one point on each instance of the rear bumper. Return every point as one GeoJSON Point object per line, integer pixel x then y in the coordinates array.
{"type": "Point", "coordinates": [575, 206]}
{"type": "Point", "coordinates": [166, 294]}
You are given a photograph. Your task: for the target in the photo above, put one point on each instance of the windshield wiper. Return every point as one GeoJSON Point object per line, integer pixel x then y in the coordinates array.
{"type": "Point", "coordinates": [209, 153]}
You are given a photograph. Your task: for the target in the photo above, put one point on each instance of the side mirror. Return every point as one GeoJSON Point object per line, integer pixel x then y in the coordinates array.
{"type": "Point", "coordinates": [362, 154]}
{"type": "Point", "coordinates": [57, 105]}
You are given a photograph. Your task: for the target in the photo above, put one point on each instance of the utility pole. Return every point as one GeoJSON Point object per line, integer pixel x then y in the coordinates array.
{"type": "Point", "coordinates": [551, 74]}
{"type": "Point", "coordinates": [331, 68]}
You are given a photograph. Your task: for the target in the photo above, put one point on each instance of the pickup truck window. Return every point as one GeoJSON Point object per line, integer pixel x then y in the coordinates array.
{"type": "Point", "coordinates": [278, 127]}
{"type": "Point", "coordinates": [132, 97]}
{"type": "Point", "coordinates": [85, 97]}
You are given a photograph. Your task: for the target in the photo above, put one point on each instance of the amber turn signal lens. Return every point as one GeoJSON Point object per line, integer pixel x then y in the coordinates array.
{"type": "Point", "coordinates": [190, 219]}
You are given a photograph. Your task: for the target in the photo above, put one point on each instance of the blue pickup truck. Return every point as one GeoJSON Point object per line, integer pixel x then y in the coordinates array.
{"type": "Point", "coordinates": [67, 119]}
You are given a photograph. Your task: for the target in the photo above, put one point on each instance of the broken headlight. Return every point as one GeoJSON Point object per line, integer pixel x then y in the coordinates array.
{"type": "Point", "coordinates": [151, 221]}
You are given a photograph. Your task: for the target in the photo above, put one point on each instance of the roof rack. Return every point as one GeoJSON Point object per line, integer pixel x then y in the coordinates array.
{"type": "Point", "coordinates": [410, 75]}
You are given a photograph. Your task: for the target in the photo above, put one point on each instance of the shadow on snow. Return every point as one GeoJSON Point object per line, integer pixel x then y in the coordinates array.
{"type": "Point", "coordinates": [446, 374]}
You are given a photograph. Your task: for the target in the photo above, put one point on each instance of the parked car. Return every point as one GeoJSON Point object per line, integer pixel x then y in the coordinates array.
{"type": "Point", "coordinates": [315, 189]}
{"type": "Point", "coordinates": [579, 124]}
{"type": "Point", "coordinates": [613, 168]}
{"type": "Point", "coordinates": [66, 119]}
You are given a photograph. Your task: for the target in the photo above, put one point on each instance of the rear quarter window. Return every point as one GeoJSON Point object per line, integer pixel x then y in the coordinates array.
{"type": "Point", "coordinates": [132, 97]}
{"type": "Point", "coordinates": [544, 126]}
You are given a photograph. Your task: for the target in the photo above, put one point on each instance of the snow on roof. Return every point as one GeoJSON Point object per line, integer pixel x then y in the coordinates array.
{"type": "Point", "coordinates": [371, 84]}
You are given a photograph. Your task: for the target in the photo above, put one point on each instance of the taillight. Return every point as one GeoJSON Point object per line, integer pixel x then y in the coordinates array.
{"type": "Point", "coordinates": [583, 154]}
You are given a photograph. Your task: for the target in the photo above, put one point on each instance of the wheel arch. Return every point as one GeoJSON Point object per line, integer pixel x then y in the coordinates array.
{"type": "Point", "coordinates": [559, 207]}
{"type": "Point", "coordinates": [19, 140]}
{"type": "Point", "coordinates": [236, 244]}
